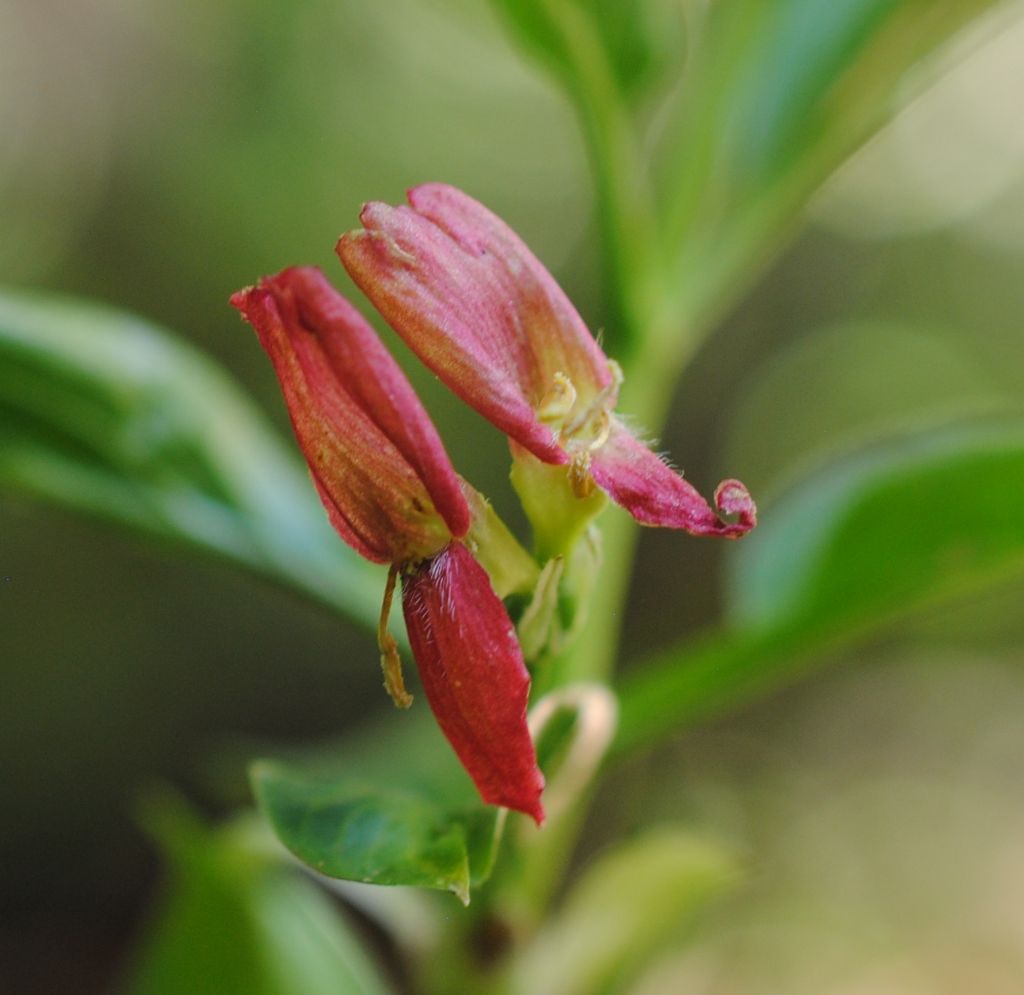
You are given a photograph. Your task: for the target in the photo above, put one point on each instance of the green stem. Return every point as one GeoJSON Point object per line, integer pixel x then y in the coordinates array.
{"type": "Point", "coordinates": [524, 887]}
{"type": "Point", "coordinates": [528, 875]}
{"type": "Point", "coordinates": [646, 398]}
{"type": "Point", "coordinates": [594, 654]}
{"type": "Point", "coordinates": [623, 194]}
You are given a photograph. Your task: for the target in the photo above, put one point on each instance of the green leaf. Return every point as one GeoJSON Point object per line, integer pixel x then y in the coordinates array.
{"type": "Point", "coordinates": [852, 384]}
{"type": "Point", "coordinates": [638, 40]}
{"type": "Point", "coordinates": [106, 414]}
{"type": "Point", "coordinates": [855, 546]}
{"type": "Point", "coordinates": [350, 828]}
{"type": "Point", "coordinates": [402, 763]}
{"type": "Point", "coordinates": [628, 904]}
{"type": "Point", "coordinates": [777, 95]}
{"type": "Point", "coordinates": [882, 531]}
{"type": "Point", "coordinates": [237, 920]}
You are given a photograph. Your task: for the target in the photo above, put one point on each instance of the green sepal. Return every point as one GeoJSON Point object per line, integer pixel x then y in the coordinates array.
{"type": "Point", "coordinates": [538, 627]}
{"type": "Point", "coordinates": [557, 516]}
{"type": "Point", "coordinates": [578, 583]}
{"type": "Point", "coordinates": [510, 567]}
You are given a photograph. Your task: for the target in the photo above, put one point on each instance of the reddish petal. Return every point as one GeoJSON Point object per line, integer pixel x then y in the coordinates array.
{"type": "Point", "coordinates": [369, 372]}
{"type": "Point", "coordinates": [559, 339]}
{"type": "Point", "coordinates": [472, 671]}
{"type": "Point", "coordinates": [476, 306]}
{"type": "Point", "coordinates": [355, 418]}
{"type": "Point", "coordinates": [655, 494]}
{"type": "Point", "coordinates": [441, 302]}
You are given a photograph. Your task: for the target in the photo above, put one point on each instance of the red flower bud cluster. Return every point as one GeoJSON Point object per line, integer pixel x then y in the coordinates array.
{"type": "Point", "coordinates": [482, 312]}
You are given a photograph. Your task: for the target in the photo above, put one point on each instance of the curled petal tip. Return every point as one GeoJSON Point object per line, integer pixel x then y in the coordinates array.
{"type": "Point", "coordinates": [733, 498]}
{"type": "Point", "coordinates": [655, 494]}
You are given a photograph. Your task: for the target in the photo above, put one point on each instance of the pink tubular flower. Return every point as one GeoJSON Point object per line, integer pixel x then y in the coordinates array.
{"type": "Point", "coordinates": [391, 493]}
{"type": "Point", "coordinates": [481, 311]}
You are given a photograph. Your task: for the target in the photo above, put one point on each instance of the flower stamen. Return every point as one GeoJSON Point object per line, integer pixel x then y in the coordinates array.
{"type": "Point", "coordinates": [594, 420]}
{"type": "Point", "coordinates": [587, 430]}
{"type": "Point", "coordinates": [580, 480]}
{"type": "Point", "coordinates": [390, 661]}
{"type": "Point", "coordinates": [556, 404]}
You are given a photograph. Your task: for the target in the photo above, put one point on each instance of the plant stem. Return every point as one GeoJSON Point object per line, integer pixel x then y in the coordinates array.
{"type": "Point", "coordinates": [649, 348]}
{"type": "Point", "coordinates": [646, 398]}
{"type": "Point", "coordinates": [623, 194]}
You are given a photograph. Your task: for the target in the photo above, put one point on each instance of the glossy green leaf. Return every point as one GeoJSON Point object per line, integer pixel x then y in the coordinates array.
{"type": "Point", "coordinates": [238, 920]}
{"type": "Point", "coordinates": [103, 413]}
{"type": "Point", "coordinates": [400, 760]}
{"type": "Point", "coordinates": [776, 96]}
{"type": "Point", "coordinates": [360, 829]}
{"type": "Point", "coordinates": [633, 900]}
{"type": "Point", "coordinates": [853, 547]}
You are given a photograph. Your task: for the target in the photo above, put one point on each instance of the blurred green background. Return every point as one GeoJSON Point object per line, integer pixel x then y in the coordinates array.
{"type": "Point", "coordinates": [158, 156]}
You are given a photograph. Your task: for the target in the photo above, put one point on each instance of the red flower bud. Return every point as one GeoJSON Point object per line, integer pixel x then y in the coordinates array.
{"type": "Point", "coordinates": [375, 456]}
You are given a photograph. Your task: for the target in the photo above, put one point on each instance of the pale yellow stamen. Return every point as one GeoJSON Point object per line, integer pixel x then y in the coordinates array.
{"type": "Point", "coordinates": [556, 404]}
{"type": "Point", "coordinates": [390, 661]}
{"type": "Point", "coordinates": [586, 430]}
{"type": "Point", "coordinates": [599, 408]}
{"type": "Point", "coordinates": [580, 481]}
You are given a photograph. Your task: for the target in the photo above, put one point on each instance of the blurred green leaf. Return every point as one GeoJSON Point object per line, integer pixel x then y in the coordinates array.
{"type": "Point", "coordinates": [776, 96]}
{"type": "Point", "coordinates": [853, 547]}
{"type": "Point", "coordinates": [103, 413]}
{"type": "Point", "coordinates": [631, 901]}
{"type": "Point", "coordinates": [351, 828]}
{"type": "Point", "coordinates": [606, 54]}
{"type": "Point", "coordinates": [854, 384]}
{"type": "Point", "coordinates": [637, 40]}
{"type": "Point", "coordinates": [239, 921]}
{"type": "Point", "coordinates": [883, 530]}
